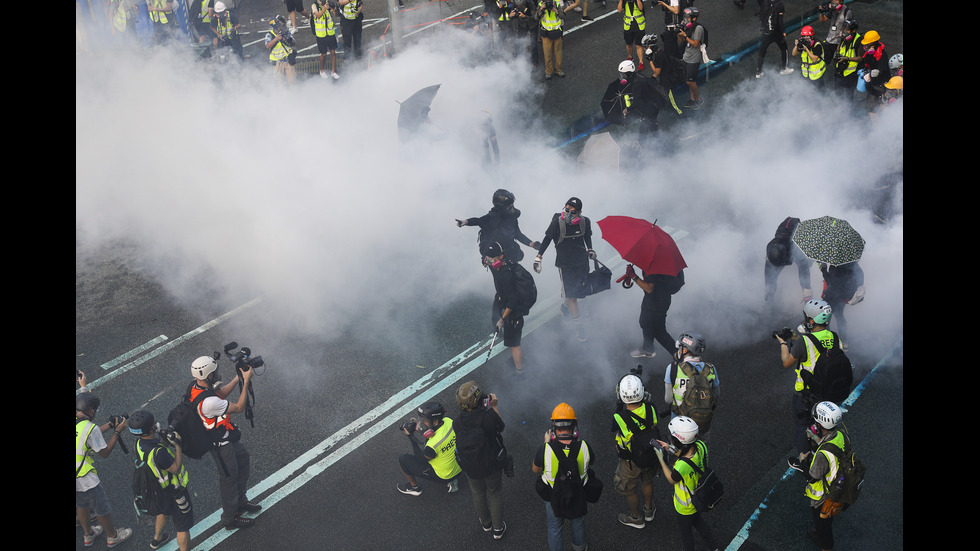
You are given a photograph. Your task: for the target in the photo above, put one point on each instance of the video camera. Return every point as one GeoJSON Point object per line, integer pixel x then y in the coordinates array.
{"type": "Point", "coordinates": [243, 358]}
{"type": "Point", "coordinates": [549, 5]}
{"type": "Point", "coordinates": [825, 9]}
{"type": "Point", "coordinates": [279, 27]}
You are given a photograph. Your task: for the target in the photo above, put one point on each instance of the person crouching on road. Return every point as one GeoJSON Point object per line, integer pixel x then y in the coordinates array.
{"type": "Point", "coordinates": [437, 460]}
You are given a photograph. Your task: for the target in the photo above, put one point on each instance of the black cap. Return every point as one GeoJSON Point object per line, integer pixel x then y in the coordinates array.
{"type": "Point", "coordinates": [493, 250]}
{"type": "Point", "coordinates": [575, 202]}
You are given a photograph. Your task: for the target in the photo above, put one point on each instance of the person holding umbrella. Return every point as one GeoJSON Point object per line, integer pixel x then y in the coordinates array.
{"type": "Point", "coordinates": [572, 234]}
{"type": "Point", "coordinates": [657, 291]}
{"type": "Point", "coordinates": [842, 285]}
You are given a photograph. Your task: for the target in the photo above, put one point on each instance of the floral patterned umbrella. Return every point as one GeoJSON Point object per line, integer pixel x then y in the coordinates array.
{"type": "Point", "coordinates": [829, 240]}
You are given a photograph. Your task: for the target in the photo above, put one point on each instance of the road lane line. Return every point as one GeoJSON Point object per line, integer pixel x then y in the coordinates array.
{"type": "Point", "coordinates": [134, 352]}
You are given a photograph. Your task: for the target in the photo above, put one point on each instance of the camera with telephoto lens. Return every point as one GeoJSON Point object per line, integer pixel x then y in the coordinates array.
{"type": "Point", "coordinates": [332, 4]}
{"type": "Point", "coordinates": [243, 358]}
{"type": "Point", "coordinates": [114, 420]}
{"type": "Point", "coordinates": [549, 5]}
{"type": "Point", "coordinates": [171, 436]}
{"type": "Point", "coordinates": [410, 426]}
{"type": "Point", "coordinates": [785, 333]}
{"type": "Point", "coordinates": [825, 9]}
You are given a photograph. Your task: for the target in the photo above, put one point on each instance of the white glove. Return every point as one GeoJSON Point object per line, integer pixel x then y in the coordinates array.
{"type": "Point", "coordinates": [537, 264]}
{"type": "Point", "coordinates": [874, 73]}
{"type": "Point", "coordinates": [500, 324]}
{"type": "Point", "coordinates": [858, 296]}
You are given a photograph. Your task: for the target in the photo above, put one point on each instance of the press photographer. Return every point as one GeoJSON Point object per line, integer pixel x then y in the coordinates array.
{"type": "Point", "coordinates": [281, 45]}
{"type": "Point", "coordinates": [89, 494]}
{"type": "Point", "coordinates": [481, 454]}
{"type": "Point", "coordinates": [436, 460]}
{"type": "Point", "coordinates": [209, 397]}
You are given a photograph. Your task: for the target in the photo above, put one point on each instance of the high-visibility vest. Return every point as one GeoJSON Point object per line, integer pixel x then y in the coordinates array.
{"type": "Point", "coordinates": [550, 20]}
{"type": "Point", "coordinates": [84, 462]}
{"type": "Point", "coordinates": [850, 51]}
{"type": "Point", "coordinates": [350, 9]}
{"type": "Point", "coordinates": [826, 338]}
{"type": "Point", "coordinates": [224, 26]}
{"type": "Point", "coordinates": [629, 15]}
{"type": "Point", "coordinates": [280, 51]}
{"type": "Point", "coordinates": [813, 70]}
{"type": "Point", "coordinates": [625, 436]}
{"type": "Point", "coordinates": [680, 384]}
{"type": "Point", "coordinates": [684, 490]}
{"type": "Point", "coordinates": [205, 17]}
{"type": "Point", "coordinates": [210, 423]}
{"type": "Point", "coordinates": [443, 442]}
{"type": "Point", "coordinates": [159, 16]}
{"type": "Point", "coordinates": [551, 463]}
{"type": "Point", "coordinates": [165, 478]}
{"type": "Point", "coordinates": [323, 25]}
{"type": "Point", "coordinates": [816, 489]}
{"type": "Point", "coordinates": [119, 17]}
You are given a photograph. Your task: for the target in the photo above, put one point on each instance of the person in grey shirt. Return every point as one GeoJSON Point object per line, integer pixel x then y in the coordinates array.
{"type": "Point", "coordinates": [692, 33]}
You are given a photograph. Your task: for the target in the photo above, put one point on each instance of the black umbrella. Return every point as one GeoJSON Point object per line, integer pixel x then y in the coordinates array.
{"type": "Point", "coordinates": [415, 110]}
{"type": "Point", "coordinates": [636, 100]}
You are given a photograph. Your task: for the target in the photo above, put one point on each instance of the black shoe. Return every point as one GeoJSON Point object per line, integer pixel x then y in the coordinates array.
{"type": "Point", "coordinates": [587, 18]}
{"type": "Point", "coordinates": [240, 522]}
{"type": "Point", "coordinates": [497, 534]}
{"type": "Point", "coordinates": [795, 463]}
{"type": "Point", "coordinates": [250, 507]}
{"type": "Point", "coordinates": [158, 543]}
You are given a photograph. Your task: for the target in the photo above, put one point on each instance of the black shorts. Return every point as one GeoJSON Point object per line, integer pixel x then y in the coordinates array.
{"type": "Point", "coordinates": [691, 71]}
{"type": "Point", "coordinates": [571, 277]}
{"type": "Point", "coordinates": [633, 37]}
{"type": "Point", "coordinates": [326, 43]}
{"type": "Point", "coordinates": [293, 5]}
{"type": "Point", "coordinates": [513, 326]}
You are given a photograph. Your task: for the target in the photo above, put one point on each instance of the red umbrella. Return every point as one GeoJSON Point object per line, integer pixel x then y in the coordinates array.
{"type": "Point", "coordinates": [644, 244]}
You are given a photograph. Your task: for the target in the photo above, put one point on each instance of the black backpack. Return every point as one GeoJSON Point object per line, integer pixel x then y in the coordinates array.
{"type": "Point", "coordinates": [844, 490]}
{"type": "Point", "coordinates": [149, 498]}
{"type": "Point", "coordinates": [832, 374]}
{"type": "Point", "coordinates": [709, 489]}
{"type": "Point", "coordinates": [674, 284]}
{"type": "Point", "coordinates": [195, 441]}
{"type": "Point", "coordinates": [643, 442]}
{"type": "Point", "coordinates": [527, 291]}
{"type": "Point", "coordinates": [474, 453]}
{"type": "Point", "coordinates": [568, 492]}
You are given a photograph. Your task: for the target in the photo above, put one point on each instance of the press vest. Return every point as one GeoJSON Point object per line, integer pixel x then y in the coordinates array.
{"type": "Point", "coordinates": [443, 442]}
{"type": "Point", "coordinates": [323, 25]}
{"type": "Point", "coordinates": [681, 380]}
{"type": "Point", "coordinates": [550, 20]}
{"type": "Point", "coordinates": [84, 462]}
{"type": "Point", "coordinates": [210, 423]}
{"type": "Point", "coordinates": [683, 501]}
{"type": "Point", "coordinates": [850, 51]}
{"type": "Point", "coordinates": [224, 27]}
{"type": "Point", "coordinates": [813, 70]}
{"type": "Point", "coordinates": [632, 13]}
{"type": "Point", "coordinates": [350, 10]}
{"type": "Point", "coordinates": [625, 435]}
{"type": "Point", "coordinates": [816, 489]}
{"type": "Point", "coordinates": [165, 478]}
{"type": "Point", "coordinates": [826, 338]}
{"type": "Point", "coordinates": [550, 471]}
{"type": "Point", "coordinates": [205, 18]}
{"type": "Point", "coordinates": [280, 51]}
{"type": "Point", "coordinates": [159, 16]}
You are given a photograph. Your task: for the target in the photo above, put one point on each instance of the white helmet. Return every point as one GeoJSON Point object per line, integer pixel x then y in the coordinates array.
{"type": "Point", "coordinates": [627, 66]}
{"type": "Point", "coordinates": [203, 366]}
{"type": "Point", "coordinates": [818, 310]}
{"type": "Point", "coordinates": [827, 414]}
{"type": "Point", "coordinates": [630, 389]}
{"type": "Point", "coordinates": [684, 429]}
{"type": "Point", "coordinates": [219, 7]}
{"type": "Point", "coordinates": [895, 61]}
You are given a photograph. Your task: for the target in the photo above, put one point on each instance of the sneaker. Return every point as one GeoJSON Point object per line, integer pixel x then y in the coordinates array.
{"type": "Point", "coordinates": [547, 77]}
{"type": "Point", "coordinates": [292, 30]}
{"type": "Point", "coordinates": [518, 372]}
{"type": "Point", "coordinates": [697, 104]}
{"type": "Point", "coordinates": [786, 71]}
{"type": "Point", "coordinates": [486, 527]}
{"type": "Point", "coordinates": [158, 543]}
{"type": "Point", "coordinates": [649, 513]}
{"type": "Point", "coordinates": [689, 104]}
{"type": "Point", "coordinates": [406, 488]}
{"type": "Point", "coordinates": [566, 315]}
{"type": "Point", "coordinates": [795, 463]}
{"type": "Point", "coordinates": [240, 522]}
{"type": "Point", "coordinates": [335, 76]}
{"type": "Point", "coordinates": [323, 74]}
{"type": "Point", "coordinates": [759, 74]}
{"type": "Point", "coordinates": [587, 18]}
{"type": "Point", "coordinates": [641, 353]}
{"type": "Point", "coordinates": [497, 534]}
{"type": "Point", "coordinates": [453, 486]}
{"type": "Point", "coordinates": [122, 534]}
{"type": "Point", "coordinates": [577, 9]}
{"type": "Point", "coordinates": [561, 75]}
{"type": "Point", "coordinates": [90, 538]}
{"type": "Point", "coordinates": [628, 520]}
{"type": "Point", "coordinates": [250, 507]}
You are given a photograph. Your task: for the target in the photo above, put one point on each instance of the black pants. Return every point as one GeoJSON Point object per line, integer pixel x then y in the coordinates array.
{"type": "Point", "coordinates": [824, 529]}
{"type": "Point", "coordinates": [768, 40]}
{"type": "Point", "coordinates": [687, 524]}
{"type": "Point", "coordinates": [352, 36]}
{"type": "Point", "coordinates": [653, 322]}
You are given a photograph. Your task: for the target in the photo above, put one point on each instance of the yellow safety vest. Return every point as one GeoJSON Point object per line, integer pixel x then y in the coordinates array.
{"type": "Point", "coordinates": [826, 338]}
{"type": "Point", "coordinates": [280, 51]}
{"type": "Point", "coordinates": [84, 462]}
{"type": "Point", "coordinates": [323, 26]}
{"type": "Point", "coordinates": [680, 384]}
{"type": "Point", "coordinates": [816, 489]}
{"type": "Point", "coordinates": [159, 16]}
{"type": "Point", "coordinates": [849, 51]}
{"type": "Point", "coordinates": [163, 477]}
{"type": "Point", "coordinates": [443, 442]}
{"type": "Point", "coordinates": [350, 9]}
{"type": "Point", "coordinates": [224, 26]}
{"type": "Point", "coordinates": [625, 435]}
{"type": "Point", "coordinates": [629, 16]}
{"type": "Point", "coordinates": [550, 471]}
{"type": "Point", "coordinates": [205, 18]}
{"type": "Point", "coordinates": [550, 20]}
{"type": "Point", "coordinates": [683, 490]}
{"type": "Point", "coordinates": [119, 17]}
{"type": "Point", "coordinates": [813, 70]}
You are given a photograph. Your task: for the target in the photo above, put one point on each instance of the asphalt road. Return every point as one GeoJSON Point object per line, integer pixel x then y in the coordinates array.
{"type": "Point", "coordinates": [324, 446]}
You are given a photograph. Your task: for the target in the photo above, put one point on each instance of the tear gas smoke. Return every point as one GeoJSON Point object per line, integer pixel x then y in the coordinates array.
{"type": "Point", "coordinates": [231, 185]}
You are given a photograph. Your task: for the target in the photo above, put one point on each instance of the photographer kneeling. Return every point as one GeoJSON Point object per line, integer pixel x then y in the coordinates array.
{"type": "Point", "coordinates": [437, 460]}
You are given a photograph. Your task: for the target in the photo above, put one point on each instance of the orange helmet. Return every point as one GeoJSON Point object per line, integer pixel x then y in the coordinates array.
{"type": "Point", "coordinates": [563, 411]}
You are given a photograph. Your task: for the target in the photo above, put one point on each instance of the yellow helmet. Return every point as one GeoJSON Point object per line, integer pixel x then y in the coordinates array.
{"type": "Point", "coordinates": [894, 83]}
{"type": "Point", "coordinates": [563, 411]}
{"type": "Point", "coordinates": [869, 37]}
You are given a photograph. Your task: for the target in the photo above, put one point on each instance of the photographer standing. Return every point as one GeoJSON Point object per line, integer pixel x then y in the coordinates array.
{"type": "Point", "coordinates": [632, 470]}
{"type": "Point", "coordinates": [89, 493]}
{"type": "Point", "coordinates": [351, 26]}
{"type": "Point", "coordinates": [280, 44]}
{"type": "Point", "coordinates": [168, 468]}
{"type": "Point", "coordinates": [838, 14]}
{"type": "Point", "coordinates": [229, 453]}
{"type": "Point", "coordinates": [437, 460]}
{"type": "Point", "coordinates": [481, 455]}
{"type": "Point", "coordinates": [326, 36]}
{"type": "Point", "coordinates": [551, 19]}
{"type": "Point", "coordinates": [812, 56]}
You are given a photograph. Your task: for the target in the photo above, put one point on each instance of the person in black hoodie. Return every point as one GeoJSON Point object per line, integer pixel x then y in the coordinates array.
{"type": "Point", "coordinates": [773, 31]}
{"type": "Point", "coordinates": [781, 252]}
{"type": "Point", "coordinates": [500, 225]}
{"type": "Point", "coordinates": [842, 285]}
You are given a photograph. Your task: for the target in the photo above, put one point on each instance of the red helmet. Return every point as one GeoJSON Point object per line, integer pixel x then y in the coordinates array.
{"type": "Point", "coordinates": [806, 31]}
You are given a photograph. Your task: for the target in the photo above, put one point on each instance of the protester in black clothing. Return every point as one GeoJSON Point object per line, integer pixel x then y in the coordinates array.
{"type": "Point", "coordinates": [509, 306]}
{"type": "Point", "coordinates": [479, 411]}
{"type": "Point", "coordinates": [526, 15]}
{"type": "Point", "coordinates": [572, 234]}
{"type": "Point", "coordinates": [657, 291]}
{"type": "Point", "coordinates": [773, 32]}
{"type": "Point", "coordinates": [781, 252]}
{"type": "Point", "coordinates": [842, 285]}
{"type": "Point", "coordinates": [500, 225]}
{"type": "Point", "coordinates": [874, 65]}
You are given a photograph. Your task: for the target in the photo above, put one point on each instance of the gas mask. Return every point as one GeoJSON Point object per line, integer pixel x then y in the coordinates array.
{"type": "Point", "coordinates": [568, 215]}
